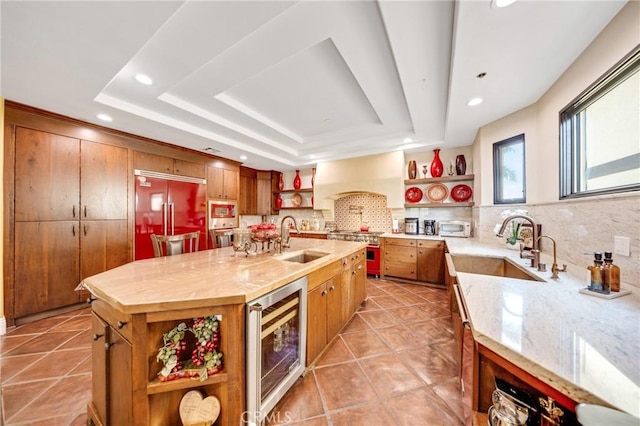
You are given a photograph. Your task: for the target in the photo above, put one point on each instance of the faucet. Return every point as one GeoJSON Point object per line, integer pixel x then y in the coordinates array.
{"type": "Point", "coordinates": [285, 238]}
{"type": "Point", "coordinates": [503, 227]}
{"type": "Point", "coordinates": [554, 267]}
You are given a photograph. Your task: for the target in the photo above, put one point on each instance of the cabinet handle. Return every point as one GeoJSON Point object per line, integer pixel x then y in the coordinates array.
{"type": "Point", "coordinates": [359, 266]}
{"type": "Point", "coordinates": [90, 299]}
{"type": "Point", "coordinates": [353, 272]}
{"type": "Point", "coordinates": [121, 324]}
{"type": "Point", "coordinates": [73, 230]}
{"type": "Point", "coordinates": [107, 345]}
{"type": "Point", "coordinates": [84, 229]}
{"type": "Point", "coordinates": [85, 211]}
{"type": "Point", "coordinates": [333, 287]}
{"type": "Point", "coordinates": [420, 252]}
{"type": "Point", "coordinates": [324, 292]}
{"type": "Point", "coordinates": [97, 336]}
{"type": "Point", "coordinates": [73, 211]}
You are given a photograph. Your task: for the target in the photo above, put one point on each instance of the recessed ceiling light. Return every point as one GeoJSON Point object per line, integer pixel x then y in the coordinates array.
{"type": "Point", "coordinates": [407, 140]}
{"type": "Point", "coordinates": [104, 117]}
{"type": "Point", "coordinates": [474, 102]}
{"type": "Point", "coordinates": [144, 79]}
{"type": "Point", "coordinates": [243, 157]}
{"type": "Point", "coordinates": [502, 3]}
{"type": "Point", "coordinates": [481, 75]}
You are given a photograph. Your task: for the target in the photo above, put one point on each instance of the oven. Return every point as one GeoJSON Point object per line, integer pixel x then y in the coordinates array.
{"type": "Point", "coordinates": [222, 220]}
{"type": "Point", "coordinates": [373, 260]}
{"type": "Point", "coordinates": [276, 347]}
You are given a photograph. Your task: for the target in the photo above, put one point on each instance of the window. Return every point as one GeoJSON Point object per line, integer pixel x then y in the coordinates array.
{"type": "Point", "coordinates": [600, 135]}
{"type": "Point", "coordinates": [509, 171]}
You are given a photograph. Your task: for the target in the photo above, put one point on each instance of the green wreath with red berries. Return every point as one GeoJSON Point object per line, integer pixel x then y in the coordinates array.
{"type": "Point", "coordinates": [201, 339]}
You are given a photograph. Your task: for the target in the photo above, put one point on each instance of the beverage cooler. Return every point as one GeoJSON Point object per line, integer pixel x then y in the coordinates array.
{"type": "Point", "coordinates": [168, 205]}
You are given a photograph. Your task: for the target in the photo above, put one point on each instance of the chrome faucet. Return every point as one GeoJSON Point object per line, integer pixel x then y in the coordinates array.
{"type": "Point", "coordinates": [285, 238]}
{"type": "Point", "coordinates": [554, 267]}
{"type": "Point", "coordinates": [532, 256]}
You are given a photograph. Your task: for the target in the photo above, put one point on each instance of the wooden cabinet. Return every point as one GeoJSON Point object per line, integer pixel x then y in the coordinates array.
{"type": "Point", "coordinates": [430, 265]}
{"type": "Point", "coordinates": [223, 181]}
{"type": "Point", "coordinates": [354, 276]}
{"type": "Point", "coordinates": [248, 197]}
{"type": "Point", "coordinates": [413, 259]}
{"type": "Point", "coordinates": [399, 258]}
{"type": "Point", "coordinates": [162, 164]}
{"type": "Point", "coordinates": [126, 389]}
{"type": "Point", "coordinates": [70, 217]}
{"type": "Point", "coordinates": [263, 196]}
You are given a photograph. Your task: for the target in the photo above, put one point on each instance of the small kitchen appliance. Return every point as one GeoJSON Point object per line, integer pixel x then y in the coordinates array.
{"type": "Point", "coordinates": [429, 227]}
{"type": "Point", "coordinates": [411, 225]}
{"type": "Point", "coordinates": [455, 228]}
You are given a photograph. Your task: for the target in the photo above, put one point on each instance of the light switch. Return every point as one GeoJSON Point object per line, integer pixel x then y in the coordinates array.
{"type": "Point", "coordinates": [622, 246]}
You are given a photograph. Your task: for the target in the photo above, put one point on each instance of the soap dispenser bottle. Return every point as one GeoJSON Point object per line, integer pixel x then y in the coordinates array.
{"type": "Point", "coordinates": [611, 272]}
{"type": "Point", "coordinates": [597, 283]}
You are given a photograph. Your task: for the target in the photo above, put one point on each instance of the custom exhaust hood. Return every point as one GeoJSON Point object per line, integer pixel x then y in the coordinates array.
{"type": "Point", "coordinates": [380, 174]}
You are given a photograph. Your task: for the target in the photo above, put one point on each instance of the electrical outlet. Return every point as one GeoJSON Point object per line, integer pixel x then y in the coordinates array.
{"type": "Point", "coordinates": [622, 246]}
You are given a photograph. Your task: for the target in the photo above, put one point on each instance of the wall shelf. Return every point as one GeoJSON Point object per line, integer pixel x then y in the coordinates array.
{"type": "Point", "coordinates": [293, 191]}
{"type": "Point", "coordinates": [443, 179]}
{"type": "Point", "coordinates": [437, 205]}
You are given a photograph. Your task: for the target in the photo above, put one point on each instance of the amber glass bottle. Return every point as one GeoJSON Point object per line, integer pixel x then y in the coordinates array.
{"type": "Point", "coordinates": [611, 272]}
{"type": "Point", "coordinates": [597, 269]}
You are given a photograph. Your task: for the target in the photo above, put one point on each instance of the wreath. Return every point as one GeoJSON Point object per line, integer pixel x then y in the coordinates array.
{"type": "Point", "coordinates": [201, 340]}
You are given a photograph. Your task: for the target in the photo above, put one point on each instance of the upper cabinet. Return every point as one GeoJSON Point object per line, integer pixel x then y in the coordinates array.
{"type": "Point", "coordinates": [247, 201]}
{"type": "Point", "coordinates": [222, 181]}
{"type": "Point", "coordinates": [263, 196]}
{"type": "Point", "coordinates": [103, 184]}
{"type": "Point", "coordinates": [162, 164]}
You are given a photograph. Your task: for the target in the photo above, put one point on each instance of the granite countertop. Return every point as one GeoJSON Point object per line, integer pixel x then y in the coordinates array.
{"type": "Point", "coordinates": [412, 236]}
{"type": "Point", "coordinates": [208, 278]}
{"type": "Point", "coordinates": [586, 347]}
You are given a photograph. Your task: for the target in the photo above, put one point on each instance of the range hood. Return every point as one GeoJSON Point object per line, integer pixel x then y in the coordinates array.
{"type": "Point", "coordinates": [380, 174]}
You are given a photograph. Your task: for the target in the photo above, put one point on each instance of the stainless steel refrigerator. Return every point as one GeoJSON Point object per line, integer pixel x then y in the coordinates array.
{"type": "Point", "coordinates": [168, 205]}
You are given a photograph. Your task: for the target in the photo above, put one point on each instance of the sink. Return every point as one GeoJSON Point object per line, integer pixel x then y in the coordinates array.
{"type": "Point", "coordinates": [305, 256]}
{"type": "Point", "coordinates": [495, 266]}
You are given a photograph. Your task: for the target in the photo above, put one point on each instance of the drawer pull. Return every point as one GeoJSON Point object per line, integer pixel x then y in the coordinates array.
{"type": "Point", "coordinates": [90, 299]}
{"type": "Point", "coordinates": [97, 336]}
{"type": "Point", "coordinates": [108, 345]}
{"type": "Point", "coordinates": [121, 324]}
{"type": "Point", "coordinates": [333, 287]}
{"type": "Point", "coordinates": [324, 292]}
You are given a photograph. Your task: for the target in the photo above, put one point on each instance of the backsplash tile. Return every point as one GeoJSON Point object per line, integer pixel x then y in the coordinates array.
{"type": "Point", "coordinates": [374, 212]}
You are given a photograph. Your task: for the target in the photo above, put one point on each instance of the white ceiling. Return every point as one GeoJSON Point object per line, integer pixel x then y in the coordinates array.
{"type": "Point", "coordinates": [289, 84]}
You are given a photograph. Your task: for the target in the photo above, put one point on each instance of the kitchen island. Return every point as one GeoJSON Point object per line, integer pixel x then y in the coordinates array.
{"type": "Point", "coordinates": [576, 346]}
{"type": "Point", "coordinates": [135, 304]}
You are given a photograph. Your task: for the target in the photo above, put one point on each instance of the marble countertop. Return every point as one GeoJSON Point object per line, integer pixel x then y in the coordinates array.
{"type": "Point", "coordinates": [209, 277]}
{"type": "Point", "coordinates": [584, 346]}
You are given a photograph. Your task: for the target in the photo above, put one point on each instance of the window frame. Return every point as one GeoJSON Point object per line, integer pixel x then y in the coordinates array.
{"type": "Point", "coordinates": [570, 154]}
{"type": "Point", "coordinates": [498, 196]}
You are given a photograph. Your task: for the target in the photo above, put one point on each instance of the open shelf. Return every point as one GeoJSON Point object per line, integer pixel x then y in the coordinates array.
{"type": "Point", "coordinates": [293, 191]}
{"type": "Point", "coordinates": [156, 386]}
{"type": "Point", "coordinates": [454, 178]}
{"type": "Point", "coordinates": [436, 205]}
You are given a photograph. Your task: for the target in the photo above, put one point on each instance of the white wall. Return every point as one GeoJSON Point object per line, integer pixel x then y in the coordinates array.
{"type": "Point", "coordinates": [582, 225]}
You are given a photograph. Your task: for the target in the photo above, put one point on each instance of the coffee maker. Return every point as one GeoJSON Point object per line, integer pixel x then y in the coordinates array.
{"type": "Point", "coordinates": [429, 227]}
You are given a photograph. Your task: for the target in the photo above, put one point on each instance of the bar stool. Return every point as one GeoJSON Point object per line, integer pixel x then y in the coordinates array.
{"type": "Point", "coordinates": [168, 245]}
{"type": "Point", "coordinates": [220, 238]}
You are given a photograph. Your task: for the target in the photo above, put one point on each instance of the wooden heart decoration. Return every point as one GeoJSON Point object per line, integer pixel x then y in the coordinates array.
{"type": "Point", "coordinates": [198, 411]}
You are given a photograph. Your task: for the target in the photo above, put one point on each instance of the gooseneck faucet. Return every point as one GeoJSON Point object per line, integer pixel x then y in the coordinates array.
{"type": "Point", "coordinates": [554, 267]}
{"type": "Point", "coordinates": [285, 238]}
{"type": "Point", "coordinates": [503, 227]}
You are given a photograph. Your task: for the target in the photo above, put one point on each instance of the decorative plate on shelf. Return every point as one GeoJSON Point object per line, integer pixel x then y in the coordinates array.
{"type": "Point", "coordinates": [413, 194]}
{"type": "Point", "coordinates": [461, 193]}
{"type": "Point", "coordinates": [437, 192]}
{"type": "Point", "coordinates": [296, 200]}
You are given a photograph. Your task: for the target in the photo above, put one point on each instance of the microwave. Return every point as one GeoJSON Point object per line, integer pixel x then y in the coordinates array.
{"type": "Point", "coordinates": [455, 228]}
{"type": "Point", "coordinates": [222, 215]}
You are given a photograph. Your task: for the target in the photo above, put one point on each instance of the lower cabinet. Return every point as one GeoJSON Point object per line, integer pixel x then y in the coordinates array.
{"type": "Point", "coordinates": [413, 259]}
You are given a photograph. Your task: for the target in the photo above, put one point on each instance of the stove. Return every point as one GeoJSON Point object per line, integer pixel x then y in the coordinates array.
{"type": "Point", "coordinates": [372, 238]}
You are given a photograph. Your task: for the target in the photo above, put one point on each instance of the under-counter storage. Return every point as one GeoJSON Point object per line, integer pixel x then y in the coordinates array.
{"type": "Point", "coordinates": [413, 259]}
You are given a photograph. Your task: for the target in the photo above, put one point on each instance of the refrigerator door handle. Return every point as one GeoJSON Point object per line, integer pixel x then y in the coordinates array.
{"type": "Point", "coordinates": [172, 212]}
{"type": "Point", "coordinates": [164, 218]}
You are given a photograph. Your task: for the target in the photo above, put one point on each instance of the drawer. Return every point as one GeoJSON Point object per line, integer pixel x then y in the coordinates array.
{"type": "Point", "coordinates": [117, 320]}
{"type": "Point", "coordinates": [431, 244]}
{"type": "Point", "coordinates": [400, 271]}
{"type": "Point", "coordinates": [404, 242]}
{"type": "Point", "coordinates": [400, 255]}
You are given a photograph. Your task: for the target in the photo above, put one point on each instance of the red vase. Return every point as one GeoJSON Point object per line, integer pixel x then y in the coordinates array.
{"type": "Point", "coordinates": [296, 180]}
{"type": "Point", "coordinates": [281, 183]}
{"type": "Point", "coordinates": [279, 202]}
{"type": "Point", "coordinates": [436, 165]}
{"type": "Point", "coordinates": [461, 165]}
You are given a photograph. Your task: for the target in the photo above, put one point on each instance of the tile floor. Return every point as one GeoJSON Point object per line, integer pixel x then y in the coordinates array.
{"type": "Point", "coordinates": [391, 365]}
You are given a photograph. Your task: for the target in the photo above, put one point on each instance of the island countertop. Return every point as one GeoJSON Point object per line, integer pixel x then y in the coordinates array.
{"type": "Point", "coordinates": [208, 278]}
{"type": "Point", "coordinates": [586, 347]}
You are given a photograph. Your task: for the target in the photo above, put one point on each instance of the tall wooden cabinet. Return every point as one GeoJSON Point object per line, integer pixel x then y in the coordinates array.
{"type": "Point", "coordinates": [70, 211]}
{"type": "Point", "coordinates": [223, 181]}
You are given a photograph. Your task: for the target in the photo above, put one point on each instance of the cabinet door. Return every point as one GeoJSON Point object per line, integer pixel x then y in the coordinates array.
{"type": "Point", "coordinates": [189, 168]}
{"type": "Point", "coordinates": [103, 245]}
{"type": "Point", "coordinates": [335, 299]}
{"type": "Point", "coordinates": [46, 266]}
{"type": "Point", "coordinates": [231, 178]}
{"type": "Point", "coordinates": [359, 278]}
{"type": "Point", "coordinates": [222, 183]}
{"type": "Point", "coordinates": [263, 193]}
{"type": "Point", "coordinates": [431, 261]}
{"type": "Point", "coordinates": [103, 181]}
{"type": "Point", "coordinates": [120, 385]}
{"type": "Point", "coordinates": [152, 162]}
{"type": "Point", "coordinates": [47, 176]}
{"type": "Point", "coordinates": [99, 366]}
{"type": "Point", "coordinates": [316, 322]}
{"type": "Point", "coordinates": [247, 203]}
